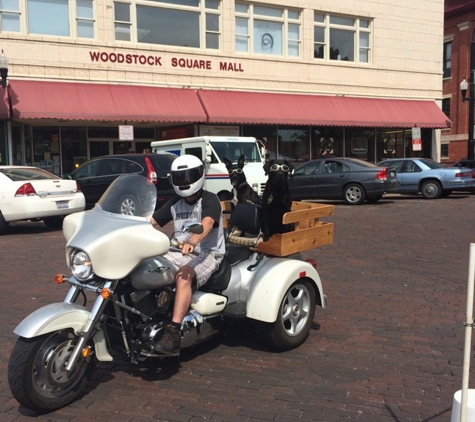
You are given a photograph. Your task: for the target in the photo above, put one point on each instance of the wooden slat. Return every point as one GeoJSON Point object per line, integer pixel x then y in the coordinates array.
{"type": "Point", "coordinates": [305, 211]}
{"type": "Point", "coordinates": [297, 241]}
{"type": "Point", "coordinates": [308, 231]}
{"type": "Point", "coordinates": [226, 206]}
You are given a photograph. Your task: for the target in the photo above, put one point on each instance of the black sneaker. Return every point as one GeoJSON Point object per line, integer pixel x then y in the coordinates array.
{"type": "Point", "coordinates": [169, 343]}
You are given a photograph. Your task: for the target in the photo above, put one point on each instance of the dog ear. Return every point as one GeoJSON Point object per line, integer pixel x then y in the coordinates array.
{"type": "Point", "coordinates": [291, 167]}
{"type": "Point", "coordinates": [267, 165]}
{"type": "Point", "coordinates": [241, 160]}
{"type": "Point", "coordinates": [227, 162]}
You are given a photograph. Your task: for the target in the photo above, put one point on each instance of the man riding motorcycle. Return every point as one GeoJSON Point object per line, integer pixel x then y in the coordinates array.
{"type": "Point", "coordinates": [200, 254]}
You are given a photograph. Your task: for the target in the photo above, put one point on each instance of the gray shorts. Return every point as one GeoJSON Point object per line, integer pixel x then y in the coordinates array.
{"type": "Point", "coordinates": [205, 264]}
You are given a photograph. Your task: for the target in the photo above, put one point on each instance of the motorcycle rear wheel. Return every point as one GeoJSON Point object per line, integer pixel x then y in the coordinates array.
{"type": "Point", "coordinates": [294, 319]}
{"type": "Point", "coordinates": [36, 373]}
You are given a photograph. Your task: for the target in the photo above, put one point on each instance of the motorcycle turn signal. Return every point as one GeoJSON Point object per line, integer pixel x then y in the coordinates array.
{"type": "Point", "coordinates": [59, 278]}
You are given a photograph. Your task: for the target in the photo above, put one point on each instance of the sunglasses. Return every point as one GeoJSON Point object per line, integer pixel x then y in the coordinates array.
{"type": "Point", "coordinates": [276, 167]}
{"type": "Point", "coordinates": [238, 171]}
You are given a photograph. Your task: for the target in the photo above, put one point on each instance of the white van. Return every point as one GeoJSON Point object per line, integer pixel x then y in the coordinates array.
{"type": "Point", "coordinates": [211, 150]}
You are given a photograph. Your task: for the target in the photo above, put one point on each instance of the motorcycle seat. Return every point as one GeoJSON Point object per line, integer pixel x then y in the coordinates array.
{"type": "Point", "coordinates": [219, 280]}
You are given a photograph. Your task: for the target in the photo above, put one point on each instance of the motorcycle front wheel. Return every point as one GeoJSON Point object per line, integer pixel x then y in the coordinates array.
{"type": "Point", "coordinates": [36, 371]}
{"type": "Point", "coordinates": [294, 319]}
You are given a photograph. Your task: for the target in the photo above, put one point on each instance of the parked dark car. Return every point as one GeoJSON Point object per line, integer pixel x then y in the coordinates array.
{"type": "Point", "coordinates": [350, 179]}
{"type": "Point", "coordinates": [95, 176]}
{"type": "Point", "coordinates": [467, 163]}
{"type": "Point", "coordinates": [431, 179]}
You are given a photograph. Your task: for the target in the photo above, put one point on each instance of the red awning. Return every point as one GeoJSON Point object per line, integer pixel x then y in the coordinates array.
{"type": "Point", "coordinates": [80, 101]}
{"type": "Point", "coordinates": [294, 109]}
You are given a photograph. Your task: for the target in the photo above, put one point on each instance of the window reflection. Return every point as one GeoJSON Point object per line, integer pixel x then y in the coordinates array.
{"type": "Point", "coordinates": [159, 26]}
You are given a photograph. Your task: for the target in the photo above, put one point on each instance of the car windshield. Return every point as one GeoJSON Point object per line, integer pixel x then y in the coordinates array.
{"type": "Point", "coordinates": [431, 164]}
{"type": "Point", "coordinates": [18, 174]}
{"type": "Point", "coordinates": [133, 185]}
{"type": "Point", "coordinates": [233, 150]}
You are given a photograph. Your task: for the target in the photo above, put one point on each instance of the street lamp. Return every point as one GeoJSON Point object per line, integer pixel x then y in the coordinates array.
{"type": "Point", "coordinates": [3, 69]}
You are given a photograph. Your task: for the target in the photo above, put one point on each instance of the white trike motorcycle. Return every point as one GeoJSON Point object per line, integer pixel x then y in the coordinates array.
{"type": "Point", "coordinates": [117, 259]}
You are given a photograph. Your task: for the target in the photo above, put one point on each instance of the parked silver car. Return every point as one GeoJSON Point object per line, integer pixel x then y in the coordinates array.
{"type": "Point", "coordinates": [431, 179]}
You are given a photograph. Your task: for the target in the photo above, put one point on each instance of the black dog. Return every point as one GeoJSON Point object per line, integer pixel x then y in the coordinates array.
{"type": "Point", "coordinates": [276, 200]}
{"type": "Point", "coordinates": [242, 191]}
{"type": "Point", "coordinates": [245, 216]}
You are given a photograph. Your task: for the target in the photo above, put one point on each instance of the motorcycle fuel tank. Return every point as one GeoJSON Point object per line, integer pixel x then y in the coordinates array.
{"type": "Point", "coordinates": [153, 273]}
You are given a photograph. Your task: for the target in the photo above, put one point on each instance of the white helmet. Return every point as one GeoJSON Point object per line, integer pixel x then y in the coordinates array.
{"type": "Point", "coordinates": [187, 175]}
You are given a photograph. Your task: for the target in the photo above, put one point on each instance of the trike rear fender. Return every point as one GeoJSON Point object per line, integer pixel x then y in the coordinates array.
{"type": "Point", "coordinates": [272, 281]}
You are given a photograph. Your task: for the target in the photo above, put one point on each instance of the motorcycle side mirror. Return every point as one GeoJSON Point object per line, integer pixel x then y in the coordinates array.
{"type": "Point", "coordinates": [195, 228]}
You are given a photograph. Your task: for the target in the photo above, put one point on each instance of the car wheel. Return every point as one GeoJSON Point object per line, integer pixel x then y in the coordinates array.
{"type": "Point", "coordinates": [431, 189]}
{"type": "Point", "coordinates": [354, 194]}
{"type": "Point", "coordinates": [3, 224]}
{"type": "Point", "coordinates": [53, 223]}
{"type": "Point", "coordinates": [374, 199]}
{"type": "Point", "coordinates": [129, 205]}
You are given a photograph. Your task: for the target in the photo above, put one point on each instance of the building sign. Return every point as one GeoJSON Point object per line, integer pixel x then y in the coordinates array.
{"type": "Point", "coordinates": [126, 133]}
{"type": "Point", "coordinates": [416, 139]}
{"type": "Point", "coordinates": [216, 130]}
{"type": "Point", "coordinates": [359, 145]}
{"type": "Point", "coordinates": [166, 62]}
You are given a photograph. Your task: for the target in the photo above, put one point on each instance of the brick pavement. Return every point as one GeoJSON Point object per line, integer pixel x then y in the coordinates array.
{"type": "Point", "coordinates": [388, 348]}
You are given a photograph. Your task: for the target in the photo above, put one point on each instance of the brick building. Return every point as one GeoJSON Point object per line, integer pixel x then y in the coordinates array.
{"type": "Point", "coordinates": [459, 35]}
{"type": "Point", "coordinates": [352, 77]}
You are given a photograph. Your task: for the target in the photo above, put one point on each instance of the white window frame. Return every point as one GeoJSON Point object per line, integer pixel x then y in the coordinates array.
{"type": "Point", "coordinates": [285, 20]}
{"type": "Point", "coordinates": [357, 29]}
{"type": "Point", "coordinates": [73, 21]}
{"type": "Point", "coordinates": [201, 9]}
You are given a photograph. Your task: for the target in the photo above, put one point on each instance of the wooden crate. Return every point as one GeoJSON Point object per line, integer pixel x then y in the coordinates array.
{"type": "Point", "coordinates": [309, 232]}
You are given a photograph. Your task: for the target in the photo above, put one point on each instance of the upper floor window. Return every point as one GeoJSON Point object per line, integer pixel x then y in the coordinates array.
{"type": "Point", "coordinates": [267, 30]}
{"type": "Point", "coordinates": [342, 38]}
{"type": "Point", "coordinates": [68, 18]}
{"type": "Point", "coordinates": [446, 106]}
{"type": "Point", "coordinates": [181, 23]}
{"type": "Point", "coordinates": [10, 15]}
{"type": "Point", "coordinates": [447, 59]}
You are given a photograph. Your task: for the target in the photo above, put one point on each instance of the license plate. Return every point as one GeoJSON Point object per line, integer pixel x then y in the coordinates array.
{"type": "Point", "coordinates": [62, 205]}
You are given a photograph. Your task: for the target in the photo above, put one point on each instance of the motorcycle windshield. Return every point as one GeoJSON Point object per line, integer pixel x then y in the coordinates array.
{"type": "Point", "coordinates": [130, 194]}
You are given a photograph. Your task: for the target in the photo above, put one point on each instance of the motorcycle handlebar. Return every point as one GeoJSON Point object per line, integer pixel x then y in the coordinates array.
{"type": "Point", "coordinates": [175, 247]}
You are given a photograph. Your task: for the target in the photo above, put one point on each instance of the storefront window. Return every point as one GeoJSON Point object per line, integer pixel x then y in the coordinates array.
{"type": "Point", "coordinates": [293, 143]}
{"type": "Point", "coordinates": [327, 139]}
{"type": "Point", "coordinates": [267, 134]}
{"type": "Point", "coordinates": [46, 149]}
{"type": "Point", "coordinates": [389, 144]}
{"type": "Point", "coordinates": [360, 143]}
{"type": "Point", "coordinates": [73, 148]}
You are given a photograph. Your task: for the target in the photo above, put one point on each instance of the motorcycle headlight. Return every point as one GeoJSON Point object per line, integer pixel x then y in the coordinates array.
{"type": "Point", "coordinates": [81, 265]}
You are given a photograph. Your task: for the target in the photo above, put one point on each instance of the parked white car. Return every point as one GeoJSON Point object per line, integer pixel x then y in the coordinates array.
{"type": "Point", "coordinates": [30, 193]}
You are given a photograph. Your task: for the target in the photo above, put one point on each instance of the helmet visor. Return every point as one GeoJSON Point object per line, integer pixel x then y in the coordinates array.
{"type": "Point", "coordinates": [186, 177]}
